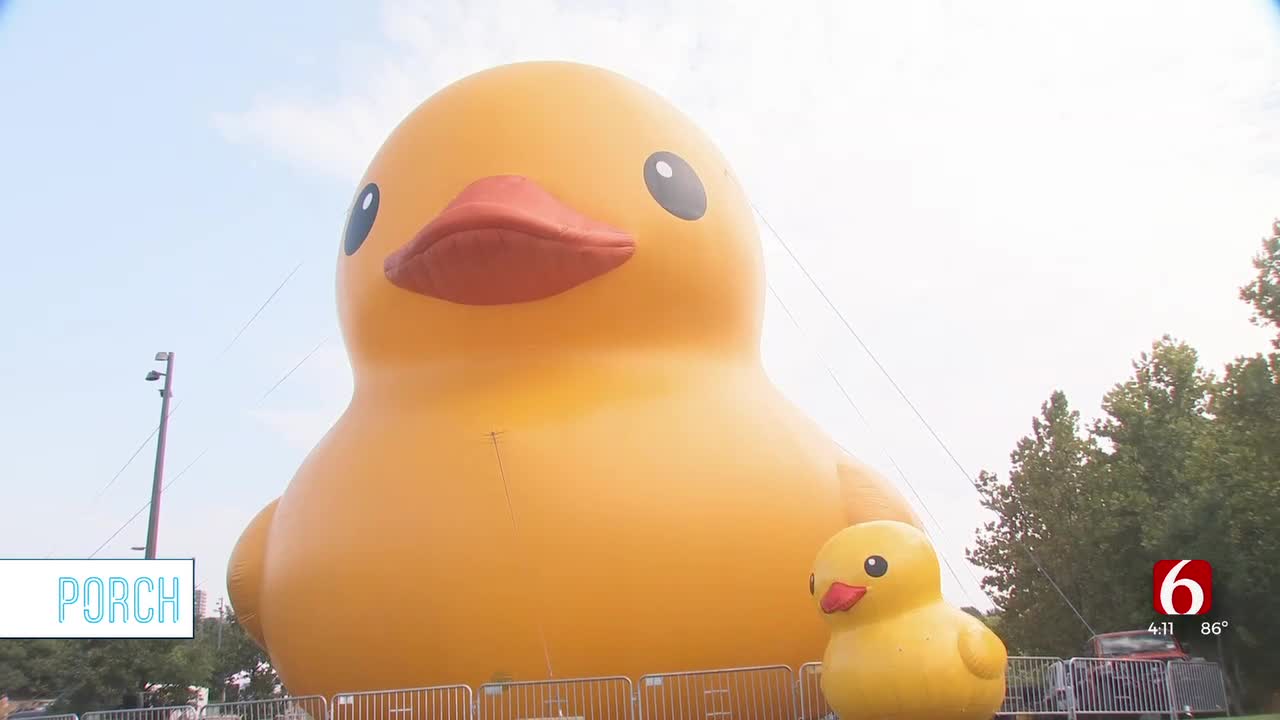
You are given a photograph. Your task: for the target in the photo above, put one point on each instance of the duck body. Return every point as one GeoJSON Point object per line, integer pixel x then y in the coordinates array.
{"type": "Point", "coordinates": [562, 456]}
{"type": "Point", "coordinates": [553, 531]}
{"type": "Point", "coordinates": [911, 667]}
{"type": "Point", "coordinates": [897, 651]}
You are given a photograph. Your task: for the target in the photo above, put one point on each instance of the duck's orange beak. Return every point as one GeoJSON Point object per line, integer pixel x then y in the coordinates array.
{"type": "Point", "coordinates": [840, 597]}
{"type": "Point", "coordinates": [503, 240]}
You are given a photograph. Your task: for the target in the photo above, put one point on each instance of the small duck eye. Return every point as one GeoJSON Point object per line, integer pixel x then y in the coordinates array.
{"type": "Point", "coordinates": [675, 186]}
{"type": "Point", "coordinates": [811, 584]}
{"type": "Point", "coordinates": [363, 212]}
{"type": "Point", "coordinates": [876, 566]}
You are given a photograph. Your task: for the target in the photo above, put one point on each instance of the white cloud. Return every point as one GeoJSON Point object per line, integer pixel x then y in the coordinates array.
{"type": "Point", "coordinates": [1003, 198]}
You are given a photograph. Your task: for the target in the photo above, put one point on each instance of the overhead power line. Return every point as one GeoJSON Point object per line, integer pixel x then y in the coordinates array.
{"type": "Point", "coordinates": [146, 506]}
{"type": "Point", "coordinates": [902, 394]}
{"type": "Point", "coordinates": [245, 326]}
{"type": "Point", "coordinates": [261, 307]}
{"type": "Point", "coordinates": [883, 447]}
{"type": "Point", "coordinates": [197, 459]}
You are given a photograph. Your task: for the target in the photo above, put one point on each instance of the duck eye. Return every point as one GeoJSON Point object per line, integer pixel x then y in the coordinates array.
{"type": "Point", "coordinates": [876, 566]}
{"type": "Point", "coordinates": [810, 584]}
{"type": "Point", "coordinates": [360, 221]}
{"type": "Point", "coordinates": [674, 184]}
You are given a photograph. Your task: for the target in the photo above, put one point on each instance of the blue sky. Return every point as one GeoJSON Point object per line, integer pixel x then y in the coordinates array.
{"type": "Point", "coordinates": [1002, 200]}
{"type": "Point", "coordinates": [137, 227]}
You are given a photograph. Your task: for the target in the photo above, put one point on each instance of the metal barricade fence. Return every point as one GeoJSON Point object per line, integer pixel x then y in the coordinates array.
{"type": "Point", "coordinates": [1196, 687]}
{"type": "Point", "coordinates": [754, 693]}
{"type": "Point", "coordinates": [302, 707]}
{"type": "Point", "coordinates": [812, 703]}
{"type": "Point", "coordinates": [172, 712]}
{"type": "Point", "coordinates": [1033, 686]}
{"type": "Point", "coordinates": [1038, 685]}
{"type": "Point", "coordinates": [1119, 687]}
{"type": "Point", "coordinates": [597, 698]}
{"type": "Point", "coordinates": [443, 702]}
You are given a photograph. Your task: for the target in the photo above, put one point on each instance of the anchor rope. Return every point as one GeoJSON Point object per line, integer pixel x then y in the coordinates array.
{"type": "Point", "coordinates": [883, 447]}
{"type": "Point", "coordinates": [903, 395]}
{"type": "Point", "coordinates": [515, 530]}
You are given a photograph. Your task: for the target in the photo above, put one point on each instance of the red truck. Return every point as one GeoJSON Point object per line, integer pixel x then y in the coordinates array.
{"type": "Point", "coordinates": [1135, 645]}
{"type": "Point", "coordinates": [1111, 676]}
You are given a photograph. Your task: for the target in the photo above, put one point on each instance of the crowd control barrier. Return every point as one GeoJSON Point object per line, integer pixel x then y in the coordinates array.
{"type": "Point", "coordinates": [1035, 687]}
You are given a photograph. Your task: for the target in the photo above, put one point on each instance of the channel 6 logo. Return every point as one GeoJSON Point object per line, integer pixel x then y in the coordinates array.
{"type": "Point", "coordinates": [1193, 577]}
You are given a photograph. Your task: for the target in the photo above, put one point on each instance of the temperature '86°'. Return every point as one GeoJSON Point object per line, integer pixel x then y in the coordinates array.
{"type": "Point", "coordinates": [1213, 628]}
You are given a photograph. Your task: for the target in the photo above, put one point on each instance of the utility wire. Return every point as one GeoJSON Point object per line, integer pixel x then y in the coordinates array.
{"type": "Point", "coordinates": [182, 472]}
{"type": "Point", "coordinates": [883, 447]}
{"type": "Point", "coordinates": [146, 506]}
{"type": "Point", "coordinates": [145, 442]}
{"type": "Point", "coordinates": [902, 394]}
{"type": "Point", "coordinates": [156, 429]}
{"type": "Point", "coordinates": [261, 307]}
{"type": "Point", "coordinates": [292, 370]}
{"type": "Point", "coordinates": [134, 456]}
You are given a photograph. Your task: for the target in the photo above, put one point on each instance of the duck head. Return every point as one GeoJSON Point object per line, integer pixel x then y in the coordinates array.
{"type": "Point", "coordinates": [873, 570]}
{"type": "Point", "coordinates": [547, 207]}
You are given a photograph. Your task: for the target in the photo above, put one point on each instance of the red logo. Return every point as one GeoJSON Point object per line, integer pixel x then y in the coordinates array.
{"type": "Point", "coordinates": [1183, 587]}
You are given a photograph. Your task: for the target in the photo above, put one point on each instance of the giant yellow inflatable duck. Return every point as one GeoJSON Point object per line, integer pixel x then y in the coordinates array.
{"type": "Point", "coordinates": [562, 456]}
{"type": "Point", "coordinates": [897, 650]}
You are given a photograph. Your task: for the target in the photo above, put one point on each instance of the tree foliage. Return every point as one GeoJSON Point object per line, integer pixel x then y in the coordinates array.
{"type": "Point", "coordinates": [101, 674]}
{"type": "Point", "coordinates": [238, 669]}
{"type": "Point", "coordinates": [1182, 463]}
{"type": "Point", "coordinates": [1263, 293]}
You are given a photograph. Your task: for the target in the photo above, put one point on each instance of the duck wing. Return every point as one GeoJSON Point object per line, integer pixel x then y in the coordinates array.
{"type": "Point", "coordinates": [981, 651]}
{"type": "Point", "coordinates": [244, 572]}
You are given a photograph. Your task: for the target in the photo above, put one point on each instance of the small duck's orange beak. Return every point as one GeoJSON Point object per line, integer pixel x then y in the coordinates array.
{"type": "Point", "coordinates": [503, 240]}
{"type": "Point", "coordinates": [840, 597]}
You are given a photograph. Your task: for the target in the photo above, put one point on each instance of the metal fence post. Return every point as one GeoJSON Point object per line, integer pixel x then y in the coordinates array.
{"type": "Point", "coordinates": [1222, 685]}
{"type": "Point", "coordinates": [1072, 700]}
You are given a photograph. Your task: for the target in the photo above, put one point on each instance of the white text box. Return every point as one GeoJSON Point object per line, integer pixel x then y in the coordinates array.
{"type": "Point", "coordinates": [97, 598]}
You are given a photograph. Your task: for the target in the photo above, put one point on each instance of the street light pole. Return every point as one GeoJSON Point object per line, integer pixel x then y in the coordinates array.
{"type": "Point", "coordinates": [221, 621]}
{"type": "Point", "coordinates": [153, 523]}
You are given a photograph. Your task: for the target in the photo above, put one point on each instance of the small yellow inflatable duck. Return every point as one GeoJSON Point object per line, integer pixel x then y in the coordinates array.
{"type": "Point", "coordinates": [897, 650]}
{"type": "Point", "coordinates": [563, 456]}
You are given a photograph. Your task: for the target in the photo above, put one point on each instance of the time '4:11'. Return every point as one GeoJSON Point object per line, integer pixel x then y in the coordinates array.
{"type": "Point", "coordinates": [1163, 628]}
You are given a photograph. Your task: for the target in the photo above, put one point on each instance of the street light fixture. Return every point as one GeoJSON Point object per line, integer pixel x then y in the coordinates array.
{"type": "Point", "coordinates": [153, 523]}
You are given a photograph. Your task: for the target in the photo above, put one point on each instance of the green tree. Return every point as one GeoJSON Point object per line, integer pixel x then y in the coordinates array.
{"type": "Point", "coordinates": [1181, 464]}
{"type": "Point", "coordinates": [1156, 425]}
{"type": "Point", "coordinates": [1047, 497]}
{"type": "Point", "coordinates": [102, 673]}
{"type": "Point", "coordinates": [99, 674]}
{"type": "Point", "coordinates": [29, 668]}
{"type": "Point", "coordinates": [233, 657]}
{"type": "Point", "coordinates": [1245, 467]}
{"type": "Point", "coordinates": [1263, 293]}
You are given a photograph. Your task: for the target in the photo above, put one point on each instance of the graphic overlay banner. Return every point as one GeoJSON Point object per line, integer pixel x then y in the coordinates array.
{"type": "Point", "coordinates": [97, 598]}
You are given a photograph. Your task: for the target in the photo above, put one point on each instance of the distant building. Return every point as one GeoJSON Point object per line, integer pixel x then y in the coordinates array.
{"type": "Point", "coordinates": [202, 603]}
